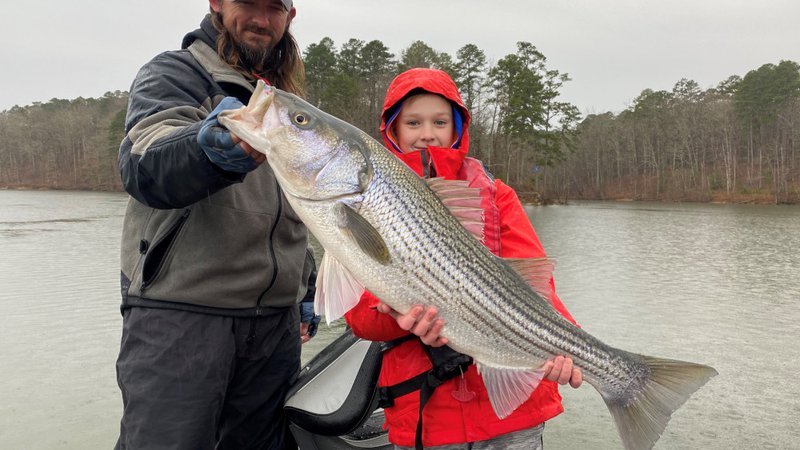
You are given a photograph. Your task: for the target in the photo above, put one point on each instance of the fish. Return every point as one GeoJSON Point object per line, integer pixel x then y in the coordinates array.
{"type": "Point", "coordinates": [412, 241]}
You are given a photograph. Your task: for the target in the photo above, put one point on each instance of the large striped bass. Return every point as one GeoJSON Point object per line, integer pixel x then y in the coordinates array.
{"type": "Point", "coordinates": [387, 230]}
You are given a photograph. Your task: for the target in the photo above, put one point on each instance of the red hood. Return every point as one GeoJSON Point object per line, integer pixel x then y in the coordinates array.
{"type": "Point", "coordinates": [429, 80]}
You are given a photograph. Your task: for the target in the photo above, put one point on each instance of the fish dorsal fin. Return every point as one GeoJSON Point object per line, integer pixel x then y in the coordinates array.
{"type": "Point", "coordinates": [337, 289]}
{"type": "Point", "coordinates": [537, 272]}
{"type": "Point", "coordinates": [509, 387]}
{"type": "Point", "coordinates": [463, 201]}
{"type": "Point", "coordinates": [362, 233]}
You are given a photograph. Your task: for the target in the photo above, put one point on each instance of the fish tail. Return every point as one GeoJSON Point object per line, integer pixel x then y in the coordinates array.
{"type": "Point", "coordinates": [642, 415]}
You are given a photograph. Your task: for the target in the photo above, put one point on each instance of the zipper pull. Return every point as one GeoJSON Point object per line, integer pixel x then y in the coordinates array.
{"type": "Point", "coordinates": [462, 394]}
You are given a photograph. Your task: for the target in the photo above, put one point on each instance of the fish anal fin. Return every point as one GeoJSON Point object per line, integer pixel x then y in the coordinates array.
{"type": "Point", "coordinates": [337, 289]}
{"type": "Point", "coordinates": [537, 272]}
{"type": "Point", "coordinates": [362, 233]}
{"type": "Point", "coordinates": [509, 387]}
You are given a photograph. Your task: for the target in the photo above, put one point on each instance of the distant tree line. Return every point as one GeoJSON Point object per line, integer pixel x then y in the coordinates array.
{"type": "Point", "coordinates": [737, 141]}
{"type": "Point", "coordinates": [63, 144]}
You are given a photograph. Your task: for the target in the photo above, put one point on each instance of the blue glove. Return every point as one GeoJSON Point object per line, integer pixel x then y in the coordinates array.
{"type": "Point", "coordinates": [217, 143]}
{"type": "Point", "coordinates": [307, 316]}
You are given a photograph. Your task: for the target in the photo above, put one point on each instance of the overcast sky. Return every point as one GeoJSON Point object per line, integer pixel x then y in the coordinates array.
{"type": "Point", "coordinates": [612, 49]}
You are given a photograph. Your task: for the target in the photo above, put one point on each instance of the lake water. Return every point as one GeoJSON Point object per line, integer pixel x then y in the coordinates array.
{"type": "Point", "coordinates": [716, 284]}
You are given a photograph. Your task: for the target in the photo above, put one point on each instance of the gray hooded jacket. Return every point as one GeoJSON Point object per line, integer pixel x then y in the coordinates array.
{"type": "Point", "coordinates": [194, 236]}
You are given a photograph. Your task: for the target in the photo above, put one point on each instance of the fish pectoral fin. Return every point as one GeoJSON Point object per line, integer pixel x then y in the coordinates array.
{"type": "Point", "coordinates": [338, 291]}
{"type": "Point", "coordinates": [537, 272]}
{"type": "Point", "coordinates": [362, 233]}
{"type": "Point", "coordinates": [508, 387]}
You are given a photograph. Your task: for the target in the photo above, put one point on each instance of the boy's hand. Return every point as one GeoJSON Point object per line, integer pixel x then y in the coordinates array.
{"type": "Point", "coordinates": [424, 324]}
{"type": "Point", "coordinates": [561, 370]}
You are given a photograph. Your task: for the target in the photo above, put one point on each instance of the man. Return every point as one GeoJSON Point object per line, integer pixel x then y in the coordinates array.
{"type": "Point", "coordinates": [214, 260]}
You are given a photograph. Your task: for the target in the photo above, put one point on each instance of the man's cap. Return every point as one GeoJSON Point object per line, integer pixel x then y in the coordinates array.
{"type": "Point", "coordinates": [287, 4]}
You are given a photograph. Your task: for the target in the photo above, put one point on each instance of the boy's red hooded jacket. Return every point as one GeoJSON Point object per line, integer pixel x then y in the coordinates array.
{"type": "Point", "coordinates": [509, 234]}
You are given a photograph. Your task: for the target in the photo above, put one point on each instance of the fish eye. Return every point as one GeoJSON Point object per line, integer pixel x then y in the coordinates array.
{"type": "Point", "coordinates": [300, 119]}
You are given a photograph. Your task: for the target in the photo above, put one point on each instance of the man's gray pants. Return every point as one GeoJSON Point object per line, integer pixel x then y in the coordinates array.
{"type": "Point", "coordinates": [199, 381]}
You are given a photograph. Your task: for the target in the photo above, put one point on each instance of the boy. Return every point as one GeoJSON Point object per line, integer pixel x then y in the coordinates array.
{"type": "Point", "coordinates": [425, 123]}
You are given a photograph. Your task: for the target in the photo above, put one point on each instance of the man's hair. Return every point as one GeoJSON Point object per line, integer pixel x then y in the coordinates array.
{"type": "Point", "coordinates": [283, 68]}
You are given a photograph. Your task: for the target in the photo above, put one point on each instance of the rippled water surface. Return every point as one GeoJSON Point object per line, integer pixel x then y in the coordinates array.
{"type": "Point", "coordinates": [708, 283]}
{"type": "Point", "coordinates": [716, 284]}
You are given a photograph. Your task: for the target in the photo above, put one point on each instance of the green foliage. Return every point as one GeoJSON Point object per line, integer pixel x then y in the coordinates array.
{"type": "Point", "coordinates": [728, 86]}
{"type": "Point", "coordinates": [62, 143]}
{"type": "Point", "coordinates": [687, 91]}
{"type": "Point", "coordinates": [649, 104]}
{"type": "Point", "coordinates": [320, 63]}
{"type": "Point", "coordinates": [739, 139]}
{"type": "Point", "coordinates": [376, 59]}
{"type": "Point", "coordinates": [525, 96]}
{"type": "Point", "coordinates": [349, 83]}
{"type": "Point", "coordinates": [116, 131]}
{"type": "Point", "coordinates": [515, 110]}
{"type": "Point", "coordinates": [349, 61]}
{"type": "Point", "coordinates": [764, 92]}
{"type": "Point", "coordinates": [341, 97]}
{"type": "Point", "coordinates": [418, 54]}
{"type": "Point", "coordinates": [470, 69]}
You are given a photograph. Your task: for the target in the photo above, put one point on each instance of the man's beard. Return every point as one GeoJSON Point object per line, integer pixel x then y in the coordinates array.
{"type": "Point", "coordinates": [243, 57]}
{"type": "Point", "coordinates": [254, 58]}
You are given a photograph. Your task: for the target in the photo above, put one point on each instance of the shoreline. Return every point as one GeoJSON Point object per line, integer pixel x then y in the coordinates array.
{"type": "Point", "coordinates": [536, 199]}
{"type": "Point", "coordinates": [528, 198]}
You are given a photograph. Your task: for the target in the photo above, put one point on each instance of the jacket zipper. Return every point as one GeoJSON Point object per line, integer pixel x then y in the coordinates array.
{"type": "Point", "coordinates": [428, 168]}
{"type": "Point", "coordinates": [173, 233]}
{"type": "Point", "coordinates": [251, 336]}
{"type": "Point", "coordinates": [271, 249]}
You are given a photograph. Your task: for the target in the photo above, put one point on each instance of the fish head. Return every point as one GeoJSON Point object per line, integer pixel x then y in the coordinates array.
{"type": "Point", "coordinates": [314, 155]}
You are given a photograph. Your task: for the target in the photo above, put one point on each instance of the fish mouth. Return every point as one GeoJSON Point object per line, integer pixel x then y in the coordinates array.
{"type": "Point", "coordinates": [270, 118]}
{"type": "Point", "coordinates": [260, 101]}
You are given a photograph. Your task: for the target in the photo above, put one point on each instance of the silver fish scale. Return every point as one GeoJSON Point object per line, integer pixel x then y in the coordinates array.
{"type": "Point", "coordinates": [489, 311]}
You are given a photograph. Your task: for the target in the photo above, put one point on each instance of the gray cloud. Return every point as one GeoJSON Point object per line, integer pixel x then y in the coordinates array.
{"type": "Point", "coordinates": [611, 49]}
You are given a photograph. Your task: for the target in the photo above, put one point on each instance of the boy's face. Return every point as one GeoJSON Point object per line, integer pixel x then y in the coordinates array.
{"type": "Point", "coordinates": [425, 120]}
